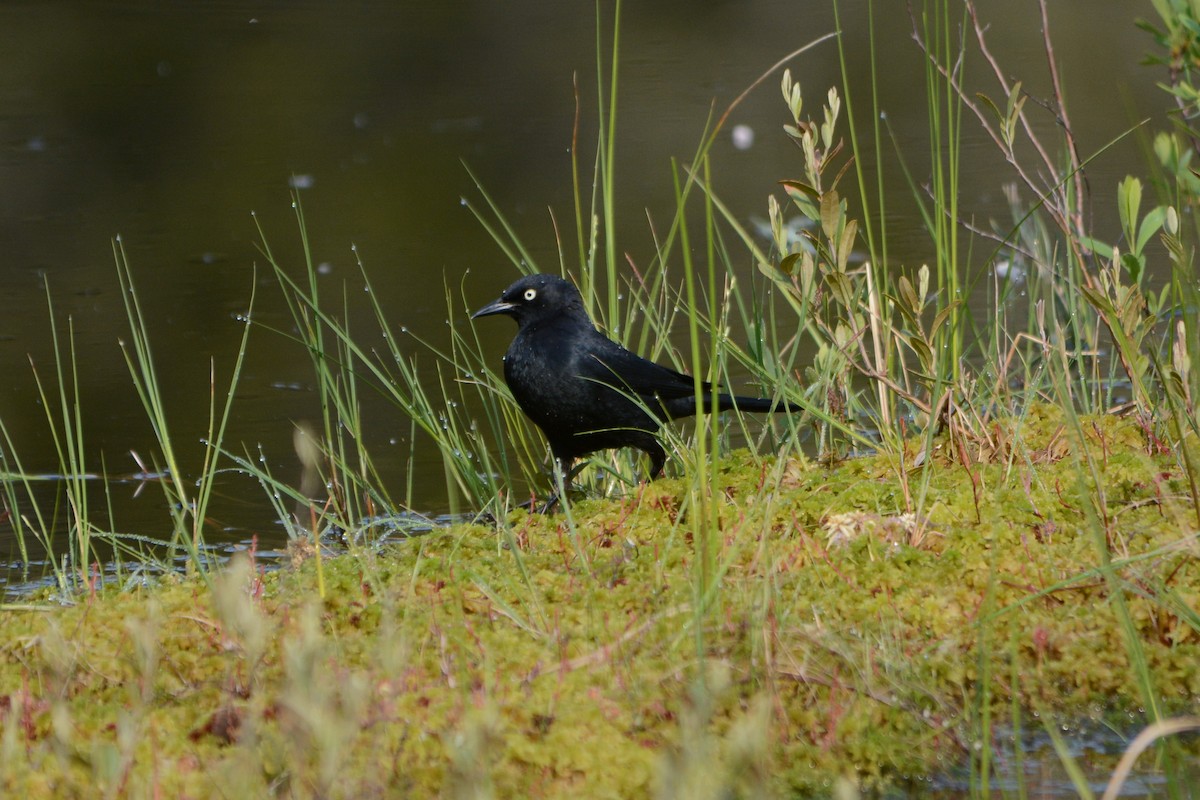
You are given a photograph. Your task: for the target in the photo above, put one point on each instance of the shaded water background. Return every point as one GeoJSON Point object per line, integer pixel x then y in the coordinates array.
{"type": "Point", "coordinates": [168, 124]}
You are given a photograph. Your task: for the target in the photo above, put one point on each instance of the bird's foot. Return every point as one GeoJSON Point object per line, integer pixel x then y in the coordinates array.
{"type": "Point", "coordinates": [534, 507]}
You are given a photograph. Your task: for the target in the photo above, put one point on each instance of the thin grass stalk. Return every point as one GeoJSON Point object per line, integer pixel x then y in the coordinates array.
{"type": "Point", "coordinates": [11, 475]}
{"type": "Point", "coordinates": [68, 447]}
{"type": "Point", "coordinates": [983, 696]}
{"type": "Point", "coordinates": [505, 420]}
{"type": "Point", "coordinates": [608, 141]}
{"type": "Point", "coordinates": [1016, 713]}
{"type": "Point", "coordinates": [703, 530]}
{"type": "Point", "coordinates": [874, 224]}
{"type": "Point", "coordinates": [510, 243]}
{"type": "Point", "coordinates": [944, 129]}
{"type": "Point", "coordinates": [1063, 750]}
{"type": "Point", "coordinates": [1147, 737]}
{"type": "Point", "coordinates": [338, 404]}
{"type": "Point", "coordinates": [575, 194]}
{"type": "Point", "coordinates": [215, 439]}
{"type": "Point", "coordinates": [139, 359]}
{"type": "Point", "coordinates": [73, 469]}
{"type": "Point", "coordinates": [1091, 486]}
{"type": "Point", "coordinates": [41, 526]}
{"type": "Point", "coordinates": [715, 357]}
{"type": "Point", "coordinates": [457, 441]}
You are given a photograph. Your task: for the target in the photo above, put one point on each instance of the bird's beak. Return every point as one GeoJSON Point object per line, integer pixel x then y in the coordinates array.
{"type": "Point", "coordinates": [497, 307]}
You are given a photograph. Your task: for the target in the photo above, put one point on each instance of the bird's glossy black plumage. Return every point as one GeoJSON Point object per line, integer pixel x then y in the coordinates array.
{"type": "Point", "coordinates": [585, 391]}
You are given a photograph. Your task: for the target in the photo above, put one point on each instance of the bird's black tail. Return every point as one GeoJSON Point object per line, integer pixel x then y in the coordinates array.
{"type": "Point", "coordinates": [686, 406]}
{"type": "Point", "coordinates": [678, 407]}
{"type": "Point", "coordinates": [729, 402]}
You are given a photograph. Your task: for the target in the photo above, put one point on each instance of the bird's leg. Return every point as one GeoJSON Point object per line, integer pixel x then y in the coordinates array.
{"type": "Point", "coordinates": [562, 474]}
{"type": "Point", "coordinates": [657, 460]}
{"type": "Point", "coordinates": [658, 457]}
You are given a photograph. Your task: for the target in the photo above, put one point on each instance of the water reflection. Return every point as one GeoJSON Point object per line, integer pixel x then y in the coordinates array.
{"type": "Point", "coordinates": [170, 125]}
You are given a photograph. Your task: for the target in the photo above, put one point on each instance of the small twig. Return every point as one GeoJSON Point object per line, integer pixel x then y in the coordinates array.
{"type": "Point", "coordinates": [1158, 730]}
{"type": "Point", "coordinates": [604, 653]}
{"type": "Point", "coordinates": [1076, 165]}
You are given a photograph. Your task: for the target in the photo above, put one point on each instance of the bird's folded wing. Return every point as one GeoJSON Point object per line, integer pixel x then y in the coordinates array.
{"type": "Point", "coordinates": [632, 374]}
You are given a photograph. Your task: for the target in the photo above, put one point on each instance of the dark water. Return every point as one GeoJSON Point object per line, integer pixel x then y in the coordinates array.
{"type": "Point", "coordinates": [168, 124]}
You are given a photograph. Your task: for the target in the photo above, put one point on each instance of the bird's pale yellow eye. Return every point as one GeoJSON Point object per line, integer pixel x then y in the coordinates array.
{"type": "Point", "coordinates": [530, 294]}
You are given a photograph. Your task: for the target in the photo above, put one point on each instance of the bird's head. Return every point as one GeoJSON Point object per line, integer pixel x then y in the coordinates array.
{"type": "Point", "coordinates": [536, 298]}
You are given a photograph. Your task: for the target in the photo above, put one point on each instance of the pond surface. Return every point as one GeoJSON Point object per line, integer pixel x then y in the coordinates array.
{"type": "Point", "coordinates": [170, 124]}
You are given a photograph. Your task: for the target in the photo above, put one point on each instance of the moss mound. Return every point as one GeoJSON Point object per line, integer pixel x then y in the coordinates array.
{"type": "Point", "coordinates": [868, 622]}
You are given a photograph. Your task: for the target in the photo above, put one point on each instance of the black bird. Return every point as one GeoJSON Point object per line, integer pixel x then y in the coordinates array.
{"type": "Point", "coordinates": [585, 391]}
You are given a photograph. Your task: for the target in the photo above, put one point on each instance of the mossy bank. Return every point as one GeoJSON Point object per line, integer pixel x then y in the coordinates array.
{"type": "Point", "coordinates": [1044, 568]}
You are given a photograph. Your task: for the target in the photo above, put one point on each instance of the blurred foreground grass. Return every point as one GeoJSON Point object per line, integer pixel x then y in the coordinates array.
{"type": "Point", "coordinates": [843, 640]}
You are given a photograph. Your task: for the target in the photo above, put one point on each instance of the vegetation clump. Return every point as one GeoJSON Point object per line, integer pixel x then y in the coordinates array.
{"type": "Point", "coordinates": [579, 654]}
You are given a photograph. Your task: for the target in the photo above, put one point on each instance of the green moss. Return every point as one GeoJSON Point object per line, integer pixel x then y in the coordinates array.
{"type": "Point", "coordinates": [583, 663]}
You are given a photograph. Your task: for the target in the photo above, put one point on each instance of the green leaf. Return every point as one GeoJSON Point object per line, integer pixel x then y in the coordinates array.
{"type": "Point", "coordinates": [830, 214]}
{"type": "Point", "coordinates": [1105, 251]}
{"type": "Point", "coordinates": [905, 310]}
{"type": "Point", "coordinates": [802, 188]}
{"type": "Point", "coordinates": [1097, 299]}
{"type": "Point", "coordinates": [988, 102]}
{"type": "Point", "coordinates": [841, 288]}
{"type": "Point", "coordinates": [846, 244]}
{"type": "Point", "coordinates": [1129, 199]}
{"type": "Point", "coordinates": [941, 318]}
{"type": "Point", "coordinates": [923, 352]}
{"type": "Point", "coordinates": [1151, 224]}
{"type": "Point", "coordinates": [1135, 265]}
{"type": "Point", "coordinates": [908, 295]}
